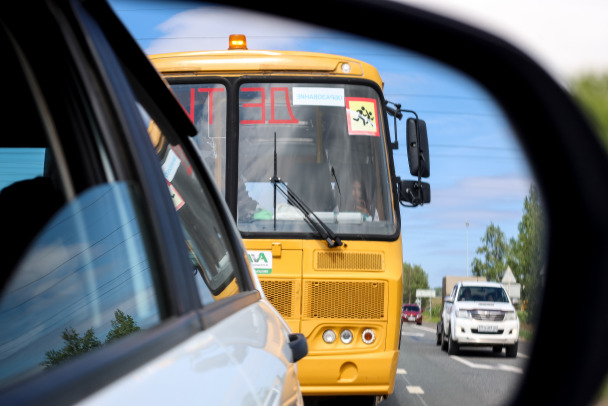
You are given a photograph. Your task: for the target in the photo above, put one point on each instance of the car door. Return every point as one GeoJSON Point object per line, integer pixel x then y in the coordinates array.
{"type": "Point", "coordinates": [110, 293]}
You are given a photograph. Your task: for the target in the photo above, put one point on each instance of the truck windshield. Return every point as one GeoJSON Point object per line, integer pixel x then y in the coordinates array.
{"type": "Point", "coordinates": [328, 140]}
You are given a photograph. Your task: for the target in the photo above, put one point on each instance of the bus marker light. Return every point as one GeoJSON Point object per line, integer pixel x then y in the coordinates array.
{"type": "Point", "coordinates": [346, 336]}
{"type": "Point", "coordinates": [237, 41]}
{"type": "Point", "coordinates": [329, 336]}
{"type": "Point", "coordinates": [368, 336]}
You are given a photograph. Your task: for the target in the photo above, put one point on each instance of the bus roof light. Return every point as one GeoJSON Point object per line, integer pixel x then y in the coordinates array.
{"type": "Point", "coordinates": [237, 41]}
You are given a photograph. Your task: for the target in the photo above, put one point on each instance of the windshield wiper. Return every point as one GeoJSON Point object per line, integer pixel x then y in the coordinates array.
{"type": "Point", "coordinates": [309, 216]}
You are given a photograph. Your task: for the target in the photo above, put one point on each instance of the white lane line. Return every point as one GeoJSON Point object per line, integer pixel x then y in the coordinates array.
{"type": "Point", "coordinates": [471, 364]}
{"type": "Point", "coordinates": [413, 334]}
{"type": "Point", "coordinates": [401, 371]}
{"type": "Point", "coordinates": [430, 330]}
{"type": "Point", "coordinates": [415, 390]}
{"type": "Point", "coordinates": [510, 368]}
{"type": "Point", "coordinates": [499, 367]}
{"type": "Point", "coordinates": [410, 386]}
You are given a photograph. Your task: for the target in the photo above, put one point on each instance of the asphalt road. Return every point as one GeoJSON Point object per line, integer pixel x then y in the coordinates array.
{"type": "Point", "coordinates": [427, 376]}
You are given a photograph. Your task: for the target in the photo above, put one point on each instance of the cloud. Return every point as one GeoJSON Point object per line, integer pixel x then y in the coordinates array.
{"type": "Point", "coordinates": [208, 28]}
{"type": "Point", "coordinates": [568, 38]}
{"type": "Point", "coordinates": [479, 200]}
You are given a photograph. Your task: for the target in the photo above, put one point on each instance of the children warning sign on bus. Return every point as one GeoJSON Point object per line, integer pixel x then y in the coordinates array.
{"type": "Point", "coordinates": [361, 115]}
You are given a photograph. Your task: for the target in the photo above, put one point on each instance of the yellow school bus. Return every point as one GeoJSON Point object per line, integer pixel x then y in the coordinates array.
{"type": "Point", "coordinates": [299, 145]}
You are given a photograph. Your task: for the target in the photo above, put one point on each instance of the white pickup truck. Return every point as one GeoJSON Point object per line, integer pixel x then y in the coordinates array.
{"type": "Point", "coordinates": [478, 314]}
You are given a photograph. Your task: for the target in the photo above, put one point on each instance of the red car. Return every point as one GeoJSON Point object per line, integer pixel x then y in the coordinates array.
{"type": "Point", "coordinates": [411, 312]}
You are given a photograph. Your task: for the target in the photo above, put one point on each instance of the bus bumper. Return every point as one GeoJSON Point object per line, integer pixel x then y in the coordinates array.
{"type": "Point", "coordinates": [348, 374]}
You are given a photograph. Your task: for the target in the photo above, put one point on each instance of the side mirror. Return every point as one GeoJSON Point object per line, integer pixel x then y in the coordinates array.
{"type": "Point", "coordinates": [418, 148]}
{"type": "Point", "coordinates": [448, 299]}
{"type": "Point", "coordinates": [414, 192]}
{"type": "Point", "coordinates": [298, 345]}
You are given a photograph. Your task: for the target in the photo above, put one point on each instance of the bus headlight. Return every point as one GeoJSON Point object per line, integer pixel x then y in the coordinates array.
{"type": "Point", "coordinates": [368, 336]}
{"type": "Point", "coordinates": [329, 336]}
{"type": "Point", "coordinates": [346, 336]}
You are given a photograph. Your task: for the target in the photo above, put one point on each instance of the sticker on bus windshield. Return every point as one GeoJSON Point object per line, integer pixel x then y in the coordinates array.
{"type": "Point", "coordinates": [261, 261]}
{"type": "Point", "coordinates": [178, 201]}
{"type": "Point", "coordinates": [318, 96]}
{"type": "Point", "coordinates": [362, 116]}
{"type": "Point", "coordinates": [171, 165]}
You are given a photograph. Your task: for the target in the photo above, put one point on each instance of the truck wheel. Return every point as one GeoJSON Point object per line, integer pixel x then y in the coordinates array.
{"type": "Point", "coordinates": [452, 346]}
{"type": "Point", "coordinates": [512, 350]}
{"type": "Point", "coordinates": [444, 343]}
{"type": "Point", "coordinates": [438, 338]}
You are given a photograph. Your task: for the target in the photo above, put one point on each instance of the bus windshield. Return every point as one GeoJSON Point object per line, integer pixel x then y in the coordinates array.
{"type": "Point", "coordinates": [328, 140]}
{"type": "Point", "coordinates": [330, 150]}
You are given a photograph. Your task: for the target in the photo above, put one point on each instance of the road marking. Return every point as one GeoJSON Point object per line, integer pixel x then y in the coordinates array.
{"type": "Point", "coordinates": [510, 368]}
{"type": "Point", "coordinates": [401, 371]}
{"type": "Point", "coordinates": [430, 330]}
{"type": "Point", "coordinates": [415, 390]}
{"type": "Point", "coordinates": [499, 367]}
{"type": "Point", "coordinates": [418, 390]}
{"type": "Point", "coordinates": [413, 334]}
{"type": "Point", "coordinates": [471, 364]}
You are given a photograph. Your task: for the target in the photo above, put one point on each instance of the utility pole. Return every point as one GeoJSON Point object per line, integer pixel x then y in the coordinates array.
{"type": "Point", "coordinates": [467, 224]}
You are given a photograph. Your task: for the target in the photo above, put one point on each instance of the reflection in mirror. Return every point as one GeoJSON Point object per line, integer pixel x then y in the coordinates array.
{"type": "Point", "coordinates": [486, 216]}
{"type": "Point", "coordinates": [84, 282]}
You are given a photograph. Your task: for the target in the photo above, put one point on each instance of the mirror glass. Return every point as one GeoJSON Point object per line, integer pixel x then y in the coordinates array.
{"type": "Point", "coordinates": [482, 186]}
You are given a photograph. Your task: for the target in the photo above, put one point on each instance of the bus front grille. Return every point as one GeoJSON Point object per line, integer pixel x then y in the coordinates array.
{"type": "Point", "coordinates": [324, 299]}
{"type": "Point", "coordinates": [281, 295]}
{"type": "Point", "coordinates": [349, 261]}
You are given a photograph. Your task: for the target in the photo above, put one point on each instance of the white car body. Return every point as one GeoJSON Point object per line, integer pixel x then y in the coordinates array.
{"type": "Point", "coordinates": [476, 322]}
{"type": "Point", "coordinates": [223, 357]}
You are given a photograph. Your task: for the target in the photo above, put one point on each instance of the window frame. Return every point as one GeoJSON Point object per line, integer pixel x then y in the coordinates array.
{"type": "Point", "coordinates": [99, 59]}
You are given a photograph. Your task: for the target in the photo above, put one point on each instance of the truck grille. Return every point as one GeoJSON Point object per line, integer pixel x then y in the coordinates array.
{"type": "Point", "coordinates": [488, 315]}
{"type": "Point", "coordinates": [343, 300]}
{"type": "Point", "coordinates": [281, 295]}
{"type": "Point", "coordinates": [350, 261]}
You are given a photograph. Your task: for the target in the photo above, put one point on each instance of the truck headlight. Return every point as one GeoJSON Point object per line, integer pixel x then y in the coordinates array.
{"type": "Point", "coordinates": [510, 316]}
{"type": "Point", "coordinates": [463, 314]}
{"type": "Point", "coordinates": [346, 336]}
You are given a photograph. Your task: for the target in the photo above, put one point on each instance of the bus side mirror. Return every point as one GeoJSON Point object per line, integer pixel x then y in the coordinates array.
{"type": "Point", "coordinates": [414, 192]}
{"type": "Point", "coordinates": [418, 148]}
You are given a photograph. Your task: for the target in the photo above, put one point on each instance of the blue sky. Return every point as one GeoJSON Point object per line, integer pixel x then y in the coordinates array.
{"type": "Point", "coordinates": [478, 172]}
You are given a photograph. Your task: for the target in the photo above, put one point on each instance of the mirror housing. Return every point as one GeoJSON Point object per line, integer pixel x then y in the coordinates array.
{"type": "Point", "coordinates": [298, 345]}
{"type": "Point", "coordinates": [417, 148]}
{"type": "Point", "coordinates": [414, 192]}
{"type": "Point", "coordinates": [448, 299]}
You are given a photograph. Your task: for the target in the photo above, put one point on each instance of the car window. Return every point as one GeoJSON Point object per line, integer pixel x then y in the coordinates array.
{"type": "Point", "coordinates": [77, 269]}
{"type": "Point", "coordinates": [85, 281]}
{"type": "Point", "coordinates": [214, 266]}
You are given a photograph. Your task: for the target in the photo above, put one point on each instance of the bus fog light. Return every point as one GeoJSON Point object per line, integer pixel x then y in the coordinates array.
{"type": "Point", "coordinates": [329, 336]}
{"type": "Point", "coordinates": [346, 336]}
{"type": "Point", "coordinates": [368, 336]}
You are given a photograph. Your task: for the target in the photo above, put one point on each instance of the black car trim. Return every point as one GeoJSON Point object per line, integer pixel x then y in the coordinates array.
{"type": "Point", "coordinates": [176, 286]}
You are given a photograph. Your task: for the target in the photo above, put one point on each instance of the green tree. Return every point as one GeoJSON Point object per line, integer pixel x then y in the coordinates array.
{"type": "Point", "coordinates": [414, 278]}
{"type": "Point", "coordinates": [122, 325]}
{"type": "Point", "coordinates": [591, 92]}
{"type": "Point", "coordinates": [494, 252]}
{"type": "Point", "coordinates": [528, 251]}
{"type": "Point", "coordinates": [74, 345]}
